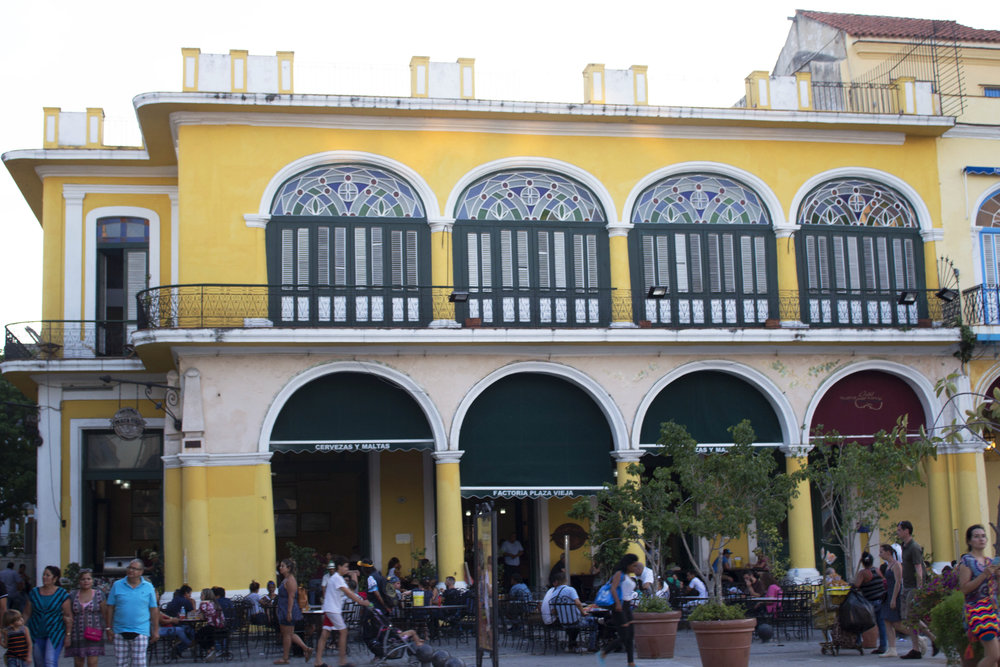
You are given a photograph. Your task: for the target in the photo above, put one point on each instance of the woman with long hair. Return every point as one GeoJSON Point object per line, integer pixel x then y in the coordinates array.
{"type": "Point", "coordinates": [87, 634]}
{"type": "Point", "coordinates": [622, 587]}
{"type": "Point", "coordinates": [977, 579]}
{"type": "Point", "coordinates": [215, 621]}
{"type": "Point", "coordinates": [890, 611]}
{"type": "Point", "coordinates": [49, 617]}
{"type": "Point", "coordinates": [289, 612]}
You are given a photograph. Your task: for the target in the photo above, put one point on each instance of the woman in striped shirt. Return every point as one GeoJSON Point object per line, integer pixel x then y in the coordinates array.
{"type": "Point", "coordinates": [49, 617]}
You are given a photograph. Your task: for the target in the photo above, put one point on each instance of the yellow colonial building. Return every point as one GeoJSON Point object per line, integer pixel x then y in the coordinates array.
{"type": "Point", "coordinates": [344, 320]}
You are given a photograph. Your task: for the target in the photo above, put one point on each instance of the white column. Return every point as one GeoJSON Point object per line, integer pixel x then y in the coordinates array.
{"type": "Point", "coordinates": [48, 516]}
{"type": "Point", "coordinates": [73, 255]}
{"type": "Point", "coordinates": [175, 243]}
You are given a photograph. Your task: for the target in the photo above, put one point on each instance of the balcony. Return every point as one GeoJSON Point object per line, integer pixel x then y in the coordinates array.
{"type": "Point", "coordinates": [981, 305]}
{"type": "Point", "coordinates": [67, 339]}
{"type": "Point", "coordinates": [855, 97]}
{"type": "Point", "coordinates": [312, 306]}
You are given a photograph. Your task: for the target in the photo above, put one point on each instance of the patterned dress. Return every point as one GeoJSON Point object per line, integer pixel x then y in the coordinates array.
{"type": "Point", "coordinates": [981, 604]}
{"type": "Point", "coordinates": [86, 616]}
{"type": "Point", "coordinates": [46, 620]}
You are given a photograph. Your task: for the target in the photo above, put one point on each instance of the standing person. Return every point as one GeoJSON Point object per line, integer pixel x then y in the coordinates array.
{"type": "Point", "coordinates": [333, 610]}
{"type": "Point", "coordinates": [511, 550]}
{"type": "Point", "coordinates": [622, 586]}
{"type": "Point", "coordinates": [912, 560]}
{"type": "Point", "coordinates": [16, 638]}
{"type": "Point", "coordinates": [289, 612]}
{"type": "Point", "coordinates": [86, 638]}
{"type": "Point", "coordinates": [977, 579]}
{"type": "Point", "coordinates": [132, 616]}
{"type": "Point", "coordinates": [10, 578]}
{"type": "Point", "coordinates": [890, 613]}
{"type": "Point", "coordinates": [872, 586]}
{"type": "Point", "coordinates": [374, 584]}
{"type": "Point", "coordinates": [3, 599]}
{"type": "Point", "coordinates": [49, 617]}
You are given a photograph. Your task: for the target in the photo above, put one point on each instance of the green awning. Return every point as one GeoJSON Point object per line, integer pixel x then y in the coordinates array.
{"type": "Point", "coordinates": [534, 435]}
{"type": "Point", "coordinates": [351, 412]}
{"type": "Point", "coordinates": [708, 403]}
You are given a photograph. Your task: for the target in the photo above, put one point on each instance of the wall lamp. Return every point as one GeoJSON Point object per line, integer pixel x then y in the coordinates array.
{"type": "Point", "coordinates": [656, 292]}
{"type": "Point", "coordinates": [907, 297]}
{"type": "Point", "coordinates": [947, 295]}
{"type": "Point", "coordinates": [458, 297]}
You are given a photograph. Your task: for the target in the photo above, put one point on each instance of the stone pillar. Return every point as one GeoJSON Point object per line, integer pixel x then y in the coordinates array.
{"type": "Point", "coordinates": [173, 505]}
{"type": "Point", "coordinates": [801, 548]}
{"type": "Point", "coordinates": [197, 570]}
{"type": "Point", "coordinates": [621, 277]}
{"type": "Point", "coordinates": [450, 545]}
{"type": "Point", "coordinates": [789, 309]}
{"type": "Point", "coordinates": [941, 543]}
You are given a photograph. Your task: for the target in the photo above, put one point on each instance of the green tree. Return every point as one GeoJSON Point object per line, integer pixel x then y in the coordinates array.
{"type": "Point", "coordinates": [720, 495]}
{"type": "Point", "coordinates": [19, 442]}
{"type": "Point", "coordinates": [859, 485]}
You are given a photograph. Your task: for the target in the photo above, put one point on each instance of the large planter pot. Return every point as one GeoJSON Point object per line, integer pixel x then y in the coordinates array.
{"type": "Point", "coordinates": [724, 643]}
{"type": "Point", "coordinates": [655, 633]}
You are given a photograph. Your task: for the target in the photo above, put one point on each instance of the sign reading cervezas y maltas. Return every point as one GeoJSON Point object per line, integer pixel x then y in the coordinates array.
{"type": "Point", "coordinates": [352, 447]}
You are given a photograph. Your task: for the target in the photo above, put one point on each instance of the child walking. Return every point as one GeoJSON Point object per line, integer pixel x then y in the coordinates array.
{"type": "Point", "coordinates": [16, 639]}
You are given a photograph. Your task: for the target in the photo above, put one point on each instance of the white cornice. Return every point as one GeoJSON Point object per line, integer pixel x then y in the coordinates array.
{"type": "Point", "coordinates": [72, 366]}
{"type": "Point", "coordinates": [216, 460]}
{"type": "Point", "coordinates": [71, 189]}
{"type": "Point", "coordinates": [75, 154]}
{"type": "Point", "coordinates": [932, 234]}
{"type": "Point", "coordinates": [628, 127]}
{"type": "Point", "coordinates": [961, 131]}
{"type": "Point", "coordinates": [50, 171]}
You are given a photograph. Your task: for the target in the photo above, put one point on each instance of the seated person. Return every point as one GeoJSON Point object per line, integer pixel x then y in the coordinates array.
{"type": "Point", "coordinates": [182, 600]}
{"type": "Point", "coordinates": [170, 626]}
{"type": "Point", "coordinates": [762, 564]}
{"type": "Point", "coordinates": [431, 593]}
{"type": "Point", "coordinates": [723, 565]}
{"type": "Point", "coordinates": [452, 595]}
{"type": "Point", "coordinates": [519, 592]}
{"type": "Point", "coordinates": [752, 585]}
{"type": "Point", "coordinates": [573, 620]}
{"type": "Point", "coordinates": [833, 578]}
{"type": "Point", "coordinates": [695, 588]}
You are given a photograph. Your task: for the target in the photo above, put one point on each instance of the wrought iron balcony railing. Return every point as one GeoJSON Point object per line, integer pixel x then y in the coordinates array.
{"type": "Point", "coordinates": [981, 305]}
{"type": "Point", "coordinates": [67, 339]}
{"type": "Point", "coordinates": [855, 97]}
{"type": "Point", "coordinates": [876, 308]}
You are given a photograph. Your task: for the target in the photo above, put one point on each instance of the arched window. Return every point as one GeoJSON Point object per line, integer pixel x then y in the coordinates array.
{"type": "Point", "coordinates": [531, 249]}
{"type": "Point", "coordinates": [704, 248]}
{"type": "Point", "coordinates": [348, 245]}
{"type": "Point", "coordinates": [988, 220]}
{"type": "Point", "coordinates": [860, 256]}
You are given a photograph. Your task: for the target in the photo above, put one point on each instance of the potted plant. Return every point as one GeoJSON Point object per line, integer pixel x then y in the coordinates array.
{"type": "Point", "coordinates": [655, 626]}
{"type": "Point", "coordinates": [718, 495]}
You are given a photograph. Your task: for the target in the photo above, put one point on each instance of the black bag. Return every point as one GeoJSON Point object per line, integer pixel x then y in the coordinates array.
{"type": "Point", "coordinates": [856, 614]}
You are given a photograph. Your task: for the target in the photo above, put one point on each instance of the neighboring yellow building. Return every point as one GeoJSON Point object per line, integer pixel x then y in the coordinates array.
{"type": "Point", "coordinates": [360, 315]}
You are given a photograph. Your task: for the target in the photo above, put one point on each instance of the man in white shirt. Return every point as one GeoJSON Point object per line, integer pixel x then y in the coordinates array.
{"type": "Point", "coordinates": [695, 588]}
{"type": "Point", "coordinates": [572, 620]}
{"type": "Point", "coordinates": [335, 589]}
{"type": "Point", "coordinates": [647, 580]}
{"type": "Point", "coordinates": [511, 550]}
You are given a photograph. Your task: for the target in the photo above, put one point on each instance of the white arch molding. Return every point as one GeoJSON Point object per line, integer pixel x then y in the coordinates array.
{"type": "Point", "coordinates": [921, 386]}
{"type": "Point", "coordinates": [619, 432]}
{"type": "Point", "coordinates": [533, 162]}
{"type": "Point", "coordinates": [414, 179]}
{"type": "Point", "coordinates": [404, 381]}
{"type": "Point", "coordinates": [977, 234]}
{"type": "Point", "coordinates": [755, 183]}
{"type": "Point", "coordinates": [779, 403]}
{"type": "Point", "coordinates": [924, 221]}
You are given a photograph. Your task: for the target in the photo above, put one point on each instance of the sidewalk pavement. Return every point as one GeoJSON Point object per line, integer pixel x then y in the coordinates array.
{"type": "Point", "coordinates": [685, 655]}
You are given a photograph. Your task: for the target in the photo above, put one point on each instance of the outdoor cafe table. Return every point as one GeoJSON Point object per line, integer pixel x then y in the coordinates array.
{"type": "Point", "coordinates": [423, 618]}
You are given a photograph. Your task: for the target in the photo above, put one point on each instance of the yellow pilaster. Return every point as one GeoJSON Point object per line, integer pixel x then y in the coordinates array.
{"type": "Point", "coordinates": [196, 557]}
{"type": "Point", "coordinates": [173, 535]}
{"type": "Point", "coordinates": [623, 476]}
{"type": "Point", "coordinates": [593, 83]}
{"type": "Point", "coordinates": [450, 547]}
{"type": "Point", "coordinates": [420, 67]}
{"type": "Point", "coordinates": [801, 549]}
{"type": "Point", "coordinates": [238, 70]}
{"type": "Point", "coordinates": [286, 72]}
{"type": "Point", "coordinates": [942, 542]}
{"type": "Point", "coordinates": [190, 58]}
{"type": "Point", "coordinates": [50, 133]}
{"type": "Point", "coordinates": [442, 271]}
{"type": "Point", "coordinates": [788, 279]}
{"type": "Point", "coordinates": [930, 265]}
{"type": "Point", "coordinates": [266, 553]}
{"type": "Point", "coordinates": [803, 90]}
{"type": "Point", "coordinates": [621, 278]}
{"type": "Point", "coordinates": [972, 503]}
{"type": "Point", "coordinates": [759, 90]}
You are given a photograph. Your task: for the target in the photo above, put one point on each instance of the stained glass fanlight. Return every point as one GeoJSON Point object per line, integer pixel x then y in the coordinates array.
{"type": "Point", "coordinates": [347, 191]}
{"type": "Point", "coordinates": [699, 199]}
{"type": "Point", "coordinates": [529, 195]}
{"type": "Point", "coordinates": [856, 202]}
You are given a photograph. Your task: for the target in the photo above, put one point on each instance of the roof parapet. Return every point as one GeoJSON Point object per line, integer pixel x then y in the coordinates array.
{"type": "Point", "coordinates": [238, 72]}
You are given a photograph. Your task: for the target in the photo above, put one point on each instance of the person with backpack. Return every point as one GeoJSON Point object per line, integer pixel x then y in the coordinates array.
{"type": "Point", "coordinates": [870, 582]}
{"type": "Point", "coordinates": [380, 592]}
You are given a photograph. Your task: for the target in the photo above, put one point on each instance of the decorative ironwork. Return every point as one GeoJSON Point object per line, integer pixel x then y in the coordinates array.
{"type": "Point", "coordinates": [698, 199]}
{"type": "Point", "coordinates": [529, 195]}
{"type": "Point", "coordinates": [171, 400]}
{"type": "Point", "coordinates": [858, 203]}
{"type": "Point", "coordinates": [348, 191]}
{"type": "Point", "coordinates": [68, 339]}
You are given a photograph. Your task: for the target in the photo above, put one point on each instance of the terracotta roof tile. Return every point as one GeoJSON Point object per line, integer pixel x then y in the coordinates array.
{"type": "Point", "coordinates": [862, 25]}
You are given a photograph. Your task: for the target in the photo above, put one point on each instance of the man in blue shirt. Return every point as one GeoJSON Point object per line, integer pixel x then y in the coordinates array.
{"type": "Point", "coordinates": [133, 618]}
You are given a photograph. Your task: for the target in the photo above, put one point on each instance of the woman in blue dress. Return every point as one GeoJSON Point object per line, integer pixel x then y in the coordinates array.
{"type": "Point", "coordinates": [288, 612]}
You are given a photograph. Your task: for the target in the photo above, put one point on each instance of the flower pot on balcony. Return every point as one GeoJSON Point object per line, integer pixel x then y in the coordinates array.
{"type": "Point", "coordinates": [724, 643]}
{"type": "Point", "coordinates": [655, 633]}
{"type": "Point", "coordinates": [472, 322]}
{"type": "Point", "coordinates": [772, 323]}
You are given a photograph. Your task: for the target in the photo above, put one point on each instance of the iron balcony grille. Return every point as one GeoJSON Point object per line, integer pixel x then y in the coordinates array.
{"type": "Point", "coordinates": [68, 339]}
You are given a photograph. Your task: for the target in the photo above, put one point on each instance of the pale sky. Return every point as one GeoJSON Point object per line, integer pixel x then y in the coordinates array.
{"type": "Point", "coordinates": [74, 55]}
